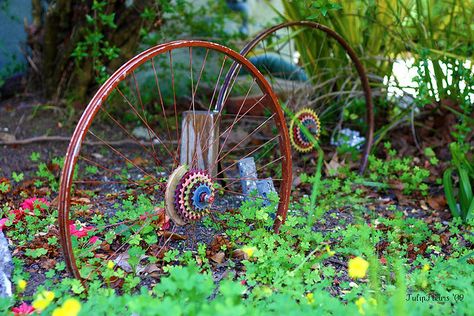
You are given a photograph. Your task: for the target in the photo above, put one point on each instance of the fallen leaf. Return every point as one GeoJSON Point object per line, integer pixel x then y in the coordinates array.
{"type": "Point", "coordinates": [55, 202]}
{"type": "Point", "coordinates": [148, 269]}
{"type": "Point", "coordinates": [172, 236]}
{"type": "Point", "coordinates": [437, 202]}
{"type": "Point", "coordinates": [217, 244]}
{"type": "Point", "coordinates": [444, 238]}
{"type": "Point", "coordinates": [80, 201]}
{"type": "Point", "coordinates": [122, 262]}
{"type": "Point", "coordinates": [240, 254]}
{"type": "Point", "coordinates": [48, 264]}
{"type": "Point", "coordinates": [139, 161]}
{"type": "Point", "coordinates": [116, 282]}
{"type": "Point", "coordinates": [218, 257]}
{"type": "Point", "coordinates": [333, 166]}
{"type": "Point", "coordinates": [158, 251]}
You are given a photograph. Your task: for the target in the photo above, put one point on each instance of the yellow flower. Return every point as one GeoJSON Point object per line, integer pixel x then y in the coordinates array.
{"type": "Point", "coordinates": [373, 301]}
{"type": "Point", "coordinates": [424, 283]}
{"type": "Point", "coordinates": [358, 268]}
{"type": "Point", "coordinates": [426, 268]}
{"type": "Point", "coordinates": [359, 303]}
{"type": "Point", "coordinates": [329, 251]}
{"type": "Point", "coordinates": [249, 251]}
{"type": "Point", "coordinates": [43, 300]}
{"type": "Point", "coordinates": [266, 291]}
{"type": "Point", "coordinates": [110, 264]}
{"type": "Point", "coordinates": [310, 298]}
{"type": "Point", "coordinates": [70, 307]}
{"type": "Point", "coordinates": [21, 285]}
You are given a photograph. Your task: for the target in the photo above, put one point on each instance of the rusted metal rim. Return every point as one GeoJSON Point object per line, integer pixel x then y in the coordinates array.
{"type": "Point", "coordinates": [95, 104]}
{"type": "Point", "coordinates": [357, 63]}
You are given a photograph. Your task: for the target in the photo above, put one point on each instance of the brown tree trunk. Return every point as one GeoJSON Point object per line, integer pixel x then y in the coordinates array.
{"type": "Point", "coordinates": [55, 32]}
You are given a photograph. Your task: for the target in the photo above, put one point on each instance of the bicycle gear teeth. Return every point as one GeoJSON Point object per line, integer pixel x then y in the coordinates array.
{"type": "Point", "coordinates": [194, 195]}
{"type": "Point", "coordinates": [298, 139]}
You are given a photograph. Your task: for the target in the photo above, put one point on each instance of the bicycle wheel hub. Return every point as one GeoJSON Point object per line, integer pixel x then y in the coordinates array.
{"type": "Point", "coordinates": [189, 195]}
{"type": "Point", "coordinates": [299, 139]}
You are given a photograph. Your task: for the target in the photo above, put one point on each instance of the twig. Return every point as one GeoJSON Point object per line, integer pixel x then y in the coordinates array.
{"type": "Point", "coordinates": [333, 260]}
{"type": "Point", "coordinates": [39, 139]}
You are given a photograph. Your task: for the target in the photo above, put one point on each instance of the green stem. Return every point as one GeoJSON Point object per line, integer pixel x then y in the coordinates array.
{"type": "Point", "coordinates": [317, 180]}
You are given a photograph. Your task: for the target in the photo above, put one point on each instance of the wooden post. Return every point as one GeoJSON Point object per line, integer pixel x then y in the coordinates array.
{"type": "Point", "coordinates": [199, 140]}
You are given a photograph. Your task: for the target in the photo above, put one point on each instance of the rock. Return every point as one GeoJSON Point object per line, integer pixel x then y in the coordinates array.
{"type": "Point", "coordinates": [265, 187]}
{"type": "Point", "coordinates": [6, 137]}
{"type": "Point", "coordinates": [141, 132]}
{"type": "Point", "coordinates": [248, 174]}
{"type": "Point", "coordinates": [250, 181]}
{"type": "Point", "coordinates": [6, 267]}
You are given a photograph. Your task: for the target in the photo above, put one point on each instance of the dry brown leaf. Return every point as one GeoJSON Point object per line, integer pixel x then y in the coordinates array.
{"type": "Point", "coordinates": [217, 243]}
{"type": "Point", "coordinates": [55, 202]}
{"type": "Point", "coordinates": [218, 257]}
{"type": "Point", "coordinates": [48, 264]}
{"type": "Point", "coordinates": [148, 269]}
{"type": "Point", "coordinates": [122, 262]}
{"type": "Point", "coordinates": [80, 201]}
{"type": "Point", "coordinates": [437, 202]}
{"type": "Point", "coordinates": [139, 161]}
{"type": "Point", "coordinates": [333, 165]}
{"type": "Point", "coordinates": [240, 254]}
{"type": "Point", "coordinates": [173, 236]}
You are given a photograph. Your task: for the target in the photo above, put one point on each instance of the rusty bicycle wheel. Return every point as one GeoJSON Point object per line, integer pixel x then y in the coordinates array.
{"type": "Point", "coordinates": [315, 96]}
{"type": "Point", "coordinates": [155, 156]}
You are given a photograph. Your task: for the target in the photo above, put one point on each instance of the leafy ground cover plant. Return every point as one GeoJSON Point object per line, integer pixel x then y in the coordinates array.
{"type": "Point", "coordinates": [351, 254]}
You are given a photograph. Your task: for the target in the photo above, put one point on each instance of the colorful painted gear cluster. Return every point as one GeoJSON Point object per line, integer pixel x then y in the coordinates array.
{"type": "Point", "coordinates": [309, 119]}
{"type": "Point", "coordinates": [194, 195]}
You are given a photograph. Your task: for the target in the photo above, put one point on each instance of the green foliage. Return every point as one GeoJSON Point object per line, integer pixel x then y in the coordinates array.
{"type": "Point", "coordinates": [400, 172]}
{"type": "Point", "coordinates": [290, 273]}
{"type": "Point", "coordinates": [35, 156]}
{"type": "Point", "coordinates": [461, 203]}
{"type": "Point", "coordinates": [4, 187]}
{"type": "Point", "coordinates": [186, 19]}
{"type": "Point", "coordinates": [363, 24]}
{"type": "Point", "coordinates": [440, 33]}
{"type": "Point", "coordinates": [94, 46]}
{"type": "Point", "coordinates": [47, 175]}
{"type": "Point", "coordinates": [18, 177]}
{"type": "Point", "coordinates": [436, 34]}
{"type": "Point", "coordinates": [35, 253]}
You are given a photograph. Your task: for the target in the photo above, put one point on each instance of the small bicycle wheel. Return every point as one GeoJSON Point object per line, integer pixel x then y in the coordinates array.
{"type": "Point", "coordinates": [299, 64]}
{"type": "Point", "coordinates": [154, 144]}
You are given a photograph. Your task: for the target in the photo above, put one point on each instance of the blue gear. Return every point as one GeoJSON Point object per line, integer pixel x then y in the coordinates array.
{"type": "Point", "coordinates": [311, 126]}
{"type": "Point", "coordinates": [197, 203]}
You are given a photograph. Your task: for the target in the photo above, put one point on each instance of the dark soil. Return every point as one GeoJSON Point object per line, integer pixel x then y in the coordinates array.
{"type": "Point", "coordinates": [26, 119]}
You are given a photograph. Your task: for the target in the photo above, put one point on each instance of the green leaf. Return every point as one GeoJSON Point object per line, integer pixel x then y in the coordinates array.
{"type": "Point", "coordinates": [89, 19]}
{"type": "Point", "coordinates": [448, 191]}
{"type": "Point", "coordinates": [35, 253]}
{"type": "Point", "coordinates": [35, 156]}
{"type": "Point", "coordinates": [465, 191]}
{"type": "Point", "coordinates": [470, 211]}
{"type": "Point", "coordinates": [108, 19]}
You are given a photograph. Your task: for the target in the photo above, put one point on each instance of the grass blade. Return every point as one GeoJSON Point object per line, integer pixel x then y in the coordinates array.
{"type": "Point", "coordinates": [448, 191]}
